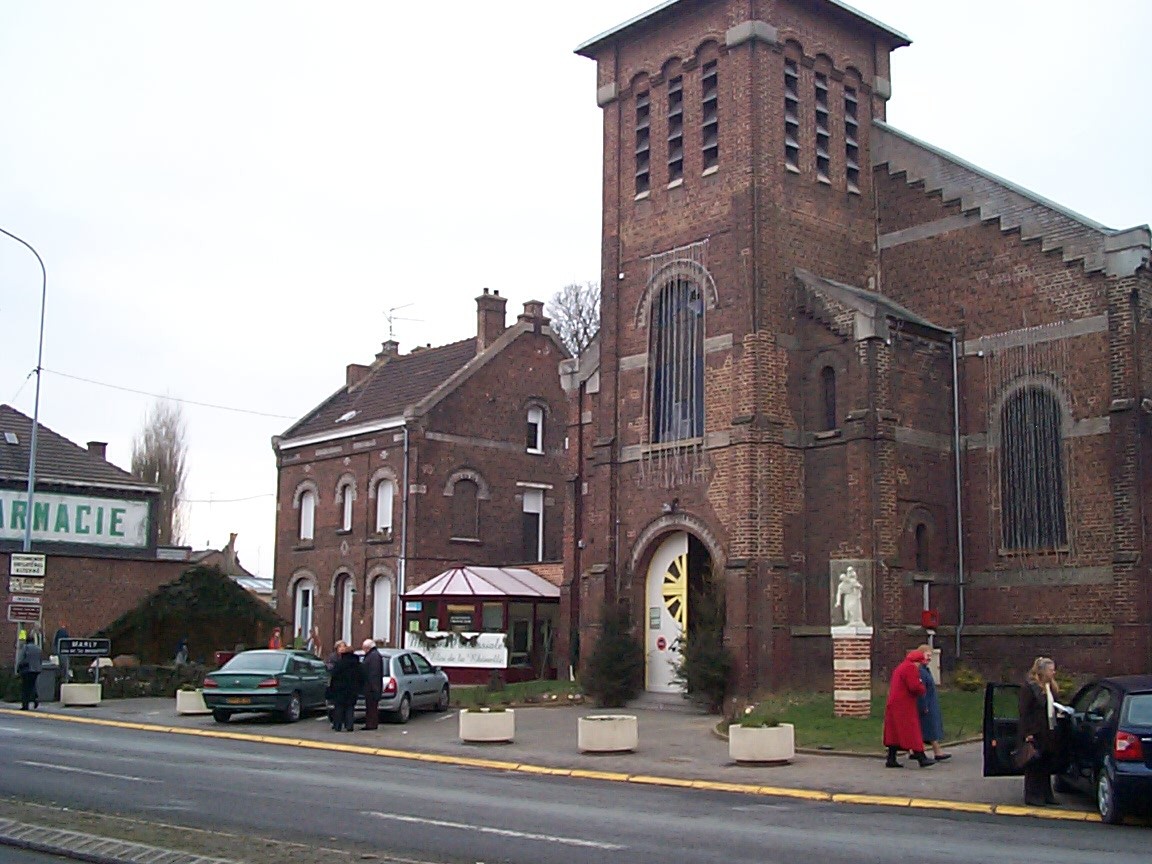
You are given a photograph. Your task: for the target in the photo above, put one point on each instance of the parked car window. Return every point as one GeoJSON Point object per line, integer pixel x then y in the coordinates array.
{"type": "Point", "coordinates": [1138, 710]}
{"type": "Point", "coordinates": [1085, 698]}
{"type": "Point", "coordinates": [1104, 704]}
{"type": "Point", "coordinates": [255, 661]}
{"type": "Point", "coordinates": [406, 664]}
{"type": "Point", "coordinates": [422, 665]}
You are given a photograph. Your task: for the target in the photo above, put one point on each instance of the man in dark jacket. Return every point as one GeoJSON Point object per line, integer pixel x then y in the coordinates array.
{"type": "Point", "coordinates": [373, 664]}
{"type": "Point", "coordinates": [345, 683]}
{"type": "Point", "coordinates": [29, 663]}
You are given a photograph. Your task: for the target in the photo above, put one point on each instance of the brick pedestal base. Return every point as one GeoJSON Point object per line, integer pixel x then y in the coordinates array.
{"type": "Point", "coordinates": [852, 671]}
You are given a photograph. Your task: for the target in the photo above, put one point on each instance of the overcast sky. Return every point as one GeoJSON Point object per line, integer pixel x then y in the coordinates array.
{"type": "Point", "coordinates": [230, 196]}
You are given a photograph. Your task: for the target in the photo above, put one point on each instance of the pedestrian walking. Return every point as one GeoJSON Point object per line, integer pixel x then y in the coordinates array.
{"type": "Point", "coordinates": [373, 663]}
{"type": "Point", "coordinates": [29, 663]}
{"type": "Point", "coordinates": [1038, 727]}
{"type": "Point", "coordinates": [182, 651]}
{"type": "Point", "coordinates": [314, 645]}
{"type": "Point", "coordinates": [931, 719]}
{"type": "Point", "coordinates": [345, 684]}
{"type": "Point", "coordinates": [275, 643]}
{"type": "Point", "coordinates": [901, 715]}
{"type": "Point", "coordinates": [63, 659]}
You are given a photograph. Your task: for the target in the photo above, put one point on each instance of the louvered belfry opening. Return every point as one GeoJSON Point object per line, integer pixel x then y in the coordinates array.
{"type": "Point", "coordinates": [673, 452]}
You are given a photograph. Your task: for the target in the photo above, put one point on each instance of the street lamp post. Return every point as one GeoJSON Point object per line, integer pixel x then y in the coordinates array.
{"type": "Point", "coordinates": [36, 409]}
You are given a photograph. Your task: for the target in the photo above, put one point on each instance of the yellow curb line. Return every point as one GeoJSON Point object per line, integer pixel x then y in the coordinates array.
{"type": "Point", "coordinates": [614, 776]}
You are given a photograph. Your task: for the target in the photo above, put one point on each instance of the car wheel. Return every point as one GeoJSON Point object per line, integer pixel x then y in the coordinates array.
{"type": "Point", "coordinates": [221, 716]}
{"type": "Point", "coordinates": [292, 713]}
{"type": "Point", "coordinates": [401, 714]}
{"type": "Point", "coordinates": [1106, 799]}
{"type": "Point", "coordinates": [442, 702]}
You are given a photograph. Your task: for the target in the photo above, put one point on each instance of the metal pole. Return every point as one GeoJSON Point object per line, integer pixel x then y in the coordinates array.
{"type": "Point", "coordinates": [36, 408]}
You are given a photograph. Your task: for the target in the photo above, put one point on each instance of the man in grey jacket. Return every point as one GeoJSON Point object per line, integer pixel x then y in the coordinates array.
{"type": "Point", "coordinates": [29, 662]}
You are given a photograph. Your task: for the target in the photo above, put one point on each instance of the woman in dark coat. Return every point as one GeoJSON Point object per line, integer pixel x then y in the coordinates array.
{"type": "Point", "coordinates": [931, 720]}
{"type": "Point", "coordinates": [345, 684]}
{"type": "Point", "coordinates": [901, 715]}
{"type": "Point", "coordinates": [1038, 725]}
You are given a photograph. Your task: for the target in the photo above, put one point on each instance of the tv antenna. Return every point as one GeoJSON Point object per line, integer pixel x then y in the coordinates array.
{"type": "Point", "coordinates": [392, 318]}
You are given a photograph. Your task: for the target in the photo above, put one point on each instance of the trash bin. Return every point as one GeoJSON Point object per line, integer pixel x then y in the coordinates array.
{"type": "Point", "coordinates": [46, 683]}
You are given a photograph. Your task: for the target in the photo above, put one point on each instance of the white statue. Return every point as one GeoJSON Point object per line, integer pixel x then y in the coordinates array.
{"type": "Point", "coordinates": [850, 596]}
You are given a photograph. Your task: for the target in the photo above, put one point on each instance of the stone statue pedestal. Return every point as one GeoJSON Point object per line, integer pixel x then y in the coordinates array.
{"type": "Point", "coordinates": [852, 671]}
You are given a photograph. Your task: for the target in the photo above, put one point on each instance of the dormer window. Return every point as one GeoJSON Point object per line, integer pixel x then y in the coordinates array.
{"type": "Point", "coordinates": [535, 438]}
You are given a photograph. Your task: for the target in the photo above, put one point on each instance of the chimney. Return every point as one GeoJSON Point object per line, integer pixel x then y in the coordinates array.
{"type": "Point", "coordinates": [489, 319]}
{"type": "Point", "coordinates": [355, 373]}
{"type": "Point", "coordinates": [534, 315]}
{"type": "Point", "coordinates": [388, 349]}
{"type": "Point", "coordinates": [230, 556]}
{"type": "Point", "coordinates": [98, 449]}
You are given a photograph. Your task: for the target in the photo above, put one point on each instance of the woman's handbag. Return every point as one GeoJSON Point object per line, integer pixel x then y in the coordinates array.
{"type": "Point", "coordinates": [22, 668]}
{"type": "Point", "coordinates": [1025, 755]}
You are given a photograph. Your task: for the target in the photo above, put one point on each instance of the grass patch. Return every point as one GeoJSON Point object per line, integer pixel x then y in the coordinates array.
{"type": "Point", "coordinates": [811, 713]}
{"type": "Point", "coordinates": [540, 692]}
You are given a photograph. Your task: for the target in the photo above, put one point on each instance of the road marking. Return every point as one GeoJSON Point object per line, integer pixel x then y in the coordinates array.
{"type": "Point", "coordinates": [502, 832]}
{"type": "Point", "coordinates": [86, 771]}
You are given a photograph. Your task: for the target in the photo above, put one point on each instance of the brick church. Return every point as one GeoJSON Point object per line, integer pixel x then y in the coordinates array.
{"type": "Point", "coordinates": [827, 345]}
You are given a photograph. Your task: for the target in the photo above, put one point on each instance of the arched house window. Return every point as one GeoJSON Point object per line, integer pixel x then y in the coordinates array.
{"type": "Point", "coordinates": [535, 433]}
{"type": "Point", "coordinates": [304, 500]}
{"type": "Point", "coordinates": [676, 362]}
{"type": "Point", "coordinates": [345, 496]}
{"type": "Point", "coordinates": [1033, 510]}
{"type": "Point", "coordinates": [303, 593]}
{"type": "Point", "coordinates": [385, 492]}
{"type": "Point", "coordinates": [467, 488]}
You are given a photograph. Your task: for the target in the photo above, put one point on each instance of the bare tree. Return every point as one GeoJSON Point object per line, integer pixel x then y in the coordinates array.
{"type": "Point", "coordinates": [575, 314]}
{"type": "Point", "coordinates": [158, 457]}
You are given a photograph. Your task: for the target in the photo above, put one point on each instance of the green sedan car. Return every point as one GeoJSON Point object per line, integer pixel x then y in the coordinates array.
{"type": "Point", "coordinates": [283, 683]}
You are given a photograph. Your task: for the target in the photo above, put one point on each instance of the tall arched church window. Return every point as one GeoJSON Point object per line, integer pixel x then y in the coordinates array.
{"type": "Point", "coordinates": [1032, 484]}
{"type": "Point", "coordinates": [676, 357]}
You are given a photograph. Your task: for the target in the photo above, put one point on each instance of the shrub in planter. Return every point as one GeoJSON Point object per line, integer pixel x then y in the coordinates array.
{"type": "Point", "coordinates": [759, 736]}
{"type": "Point", "coordinates": [705, 665]}
{"type": "Point", "coordinates": [615, 668]}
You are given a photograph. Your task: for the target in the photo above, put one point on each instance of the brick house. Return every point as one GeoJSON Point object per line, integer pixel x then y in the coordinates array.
{"type": "Point", "coordinates": [95, 523]}
{"type": "Point", "coordinates": [472, 430]}
{"type": "Point", "coordinates": [825, 344]}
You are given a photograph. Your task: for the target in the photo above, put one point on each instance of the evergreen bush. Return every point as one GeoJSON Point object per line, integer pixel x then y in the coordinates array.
{"type": "Point", "coordinates": [705, 665]}
{"type": "Point", "coordinates": [615, 670]}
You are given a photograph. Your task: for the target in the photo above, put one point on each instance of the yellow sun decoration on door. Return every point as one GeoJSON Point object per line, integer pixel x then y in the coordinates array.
{"type": "Point", "coordinates": [675, 590]}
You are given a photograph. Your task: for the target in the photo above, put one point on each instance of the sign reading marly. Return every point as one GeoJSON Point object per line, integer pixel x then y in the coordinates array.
{"type": "Point", "coordinates": [74, 519]}
{"type": "Point", "coordinates": [445, 648]}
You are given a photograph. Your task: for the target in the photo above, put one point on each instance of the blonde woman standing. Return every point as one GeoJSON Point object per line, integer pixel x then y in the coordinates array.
{"type": "Point", "coordinates": [1038, 725]}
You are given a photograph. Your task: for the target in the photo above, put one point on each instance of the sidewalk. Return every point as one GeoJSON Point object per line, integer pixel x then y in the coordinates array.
{"type": "Point", "coordinates": [676, 749]}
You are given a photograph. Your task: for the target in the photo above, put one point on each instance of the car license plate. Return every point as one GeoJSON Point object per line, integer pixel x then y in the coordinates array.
{"type": "Point", "coordinates": [239, 700]}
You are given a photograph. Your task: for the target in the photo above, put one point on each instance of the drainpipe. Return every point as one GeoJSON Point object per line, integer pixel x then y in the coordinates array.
{"type": "Point", "coordinates": [959, 500]}
{"type": "Point", "coordinates": [402, 564]}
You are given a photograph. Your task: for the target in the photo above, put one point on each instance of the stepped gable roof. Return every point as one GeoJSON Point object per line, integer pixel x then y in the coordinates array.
{"type": "Point", "coordinates": [1078, 238]}
{"type": "Point", "coordinates": [486, 582]}
{"type": "Point", "coordinates": [666, 9]}
{"type": "Point", "coordinates": [388, 389]}
{"type": "Point", "coordinates": [855, 313]}
{"type": "Point", "coordinates": [58, 460]}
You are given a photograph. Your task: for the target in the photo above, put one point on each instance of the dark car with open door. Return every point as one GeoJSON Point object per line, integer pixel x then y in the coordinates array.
{"type": "Point", "coordinates": [1106, 742]}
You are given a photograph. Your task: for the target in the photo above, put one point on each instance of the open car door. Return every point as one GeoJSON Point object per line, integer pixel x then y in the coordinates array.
{"type": "Point", "coordinates": [1001, 729]}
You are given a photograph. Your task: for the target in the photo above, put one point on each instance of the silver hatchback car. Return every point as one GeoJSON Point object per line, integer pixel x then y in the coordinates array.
{"type": "Point", "coordinates": [410, 683]}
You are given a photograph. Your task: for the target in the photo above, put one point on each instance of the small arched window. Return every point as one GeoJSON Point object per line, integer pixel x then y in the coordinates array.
{"type": "Point", "coordinates": [921, 540]}
{"type": "Point", "coordinates": [385, 490]}
{"type": "Point", "coordinates": [346, 497]}
{"type": "Point", "coordinates": [465, 509]}
{"type": "Point", "coordinates": [535, 438]}
{"type": "Point", "coordinates": [303, 607]}
{"type": "Point", "coordinates": [828, 398]}
{"type": "Point", "coordinates": [307, 515]}
{"type": "Point", "coordinates": [1032, 490]}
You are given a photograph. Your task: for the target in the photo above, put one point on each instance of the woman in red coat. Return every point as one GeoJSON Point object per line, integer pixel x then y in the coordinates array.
{"type": "Point", "coordinates": [901, 715]}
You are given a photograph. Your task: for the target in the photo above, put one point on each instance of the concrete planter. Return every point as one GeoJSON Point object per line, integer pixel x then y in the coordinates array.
{"type": "Point", "coordinates": [80, 694]}
{"type": "Point", "coordinates": [481, 727]}
{"type": "Point", "coordinates": [607, 733]}
{"type": "Point", "coordinates": [191, 702]}
{"type": "Point", "coordinates": [769, 744]}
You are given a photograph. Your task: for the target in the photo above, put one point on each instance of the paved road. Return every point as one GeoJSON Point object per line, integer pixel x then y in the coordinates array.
{"type": "Point", "coordinates": [446, 813]}
{"type": "Point", "coordinates": [10, 855]}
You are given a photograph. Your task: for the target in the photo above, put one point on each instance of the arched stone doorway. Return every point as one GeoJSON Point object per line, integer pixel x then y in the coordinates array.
{"type": "Point", "coordinates": [679, 569]}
